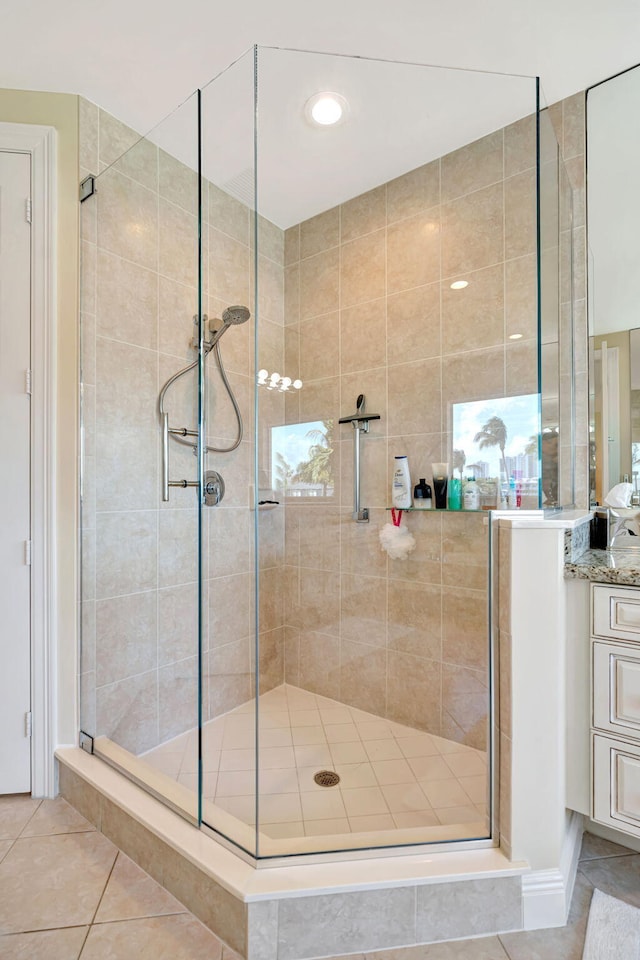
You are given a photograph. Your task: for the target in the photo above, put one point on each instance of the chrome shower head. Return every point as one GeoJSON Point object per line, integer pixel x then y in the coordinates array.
{"type": "Point", "coordinates": [230, 317]}
{"type": "Point", "coordinates": [235, 314]}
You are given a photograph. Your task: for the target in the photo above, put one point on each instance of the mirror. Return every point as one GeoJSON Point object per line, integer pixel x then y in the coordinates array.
{"type": "Point", "coordinates": [613, 198]}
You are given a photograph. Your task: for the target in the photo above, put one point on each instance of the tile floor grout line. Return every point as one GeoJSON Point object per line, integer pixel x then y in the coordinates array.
{"type": "Point", "coordinates": [14, 840]}
{"type": "Point", "coordinates": [30, 819]}
{"type": "Point", "coordinates": [84, 942]}
{"type": "Point", "coordinates": [146, 916]}
{"type": "Point", "coordinates": [63, 926]}
{"type": "Point", "coordinates": [504, 947]}
{"type": "Point", "coordinates": [62, 833]}
{"type": "Point", "coordinates": [104, 889]}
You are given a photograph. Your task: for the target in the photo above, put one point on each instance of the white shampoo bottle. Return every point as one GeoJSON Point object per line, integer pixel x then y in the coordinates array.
{"type": "Point", "coordinates": [401, 484]}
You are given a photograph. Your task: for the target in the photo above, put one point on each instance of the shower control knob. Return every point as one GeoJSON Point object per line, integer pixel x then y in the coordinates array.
{"type": "Point", "coordinates": [213, 488]}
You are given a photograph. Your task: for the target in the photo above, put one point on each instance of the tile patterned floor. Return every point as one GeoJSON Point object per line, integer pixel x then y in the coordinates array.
{"type": "Point", "coordinates": [391, 776]}
{"type": "Point", "coordinates": [66, 893]}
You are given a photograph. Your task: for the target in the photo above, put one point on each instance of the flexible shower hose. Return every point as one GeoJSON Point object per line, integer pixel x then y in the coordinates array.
{"type": "Point", "coordinates": [227, 385]}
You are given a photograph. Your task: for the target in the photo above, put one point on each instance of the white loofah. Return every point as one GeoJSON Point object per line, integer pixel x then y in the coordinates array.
{"type": "Point", "coordinates": [397, 541]}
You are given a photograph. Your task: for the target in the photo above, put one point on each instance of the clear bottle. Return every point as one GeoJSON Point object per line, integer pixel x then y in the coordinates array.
{"type": "Point", "coordinates": [471, 495]}
{"type": "Point", "coordinates": [401, 484]}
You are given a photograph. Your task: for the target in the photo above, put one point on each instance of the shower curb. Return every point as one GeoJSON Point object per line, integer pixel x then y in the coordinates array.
{"type": "Point", "coordinates": [302, 911]}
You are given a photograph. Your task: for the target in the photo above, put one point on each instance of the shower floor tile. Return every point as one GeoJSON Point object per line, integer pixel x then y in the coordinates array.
{"type": "Point", "coordinates": [391, 776]}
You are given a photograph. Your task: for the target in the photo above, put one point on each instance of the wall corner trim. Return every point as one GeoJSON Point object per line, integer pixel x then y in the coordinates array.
{"type": "Point", "coordinates": [40, 142]}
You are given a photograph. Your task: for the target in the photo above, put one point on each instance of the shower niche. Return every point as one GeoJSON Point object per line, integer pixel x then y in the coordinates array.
{"type": "Point", "coordinates": [260, 664]}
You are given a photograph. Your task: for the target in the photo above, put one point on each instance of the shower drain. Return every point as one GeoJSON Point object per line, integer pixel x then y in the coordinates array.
{"type": "Point", "coordinates": [327, 778]}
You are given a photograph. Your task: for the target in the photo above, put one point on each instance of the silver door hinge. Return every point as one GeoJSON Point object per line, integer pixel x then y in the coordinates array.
{"type": "Point", "coordinates": [27, 552]}
{"type": "Point", "coordinates": [27, 724]}
{"type": "Point", "coordinates": [27, 209]}
{"type": "Point", "coordinates": [27, 382]}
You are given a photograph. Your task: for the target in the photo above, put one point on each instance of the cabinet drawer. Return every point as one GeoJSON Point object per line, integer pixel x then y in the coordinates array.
{"type": "Point", "coordinates": [616, 612]}
{"type": "Point", "coordinates": [616, 688]}
{"type": "Point", "coordinates": [616, 784]}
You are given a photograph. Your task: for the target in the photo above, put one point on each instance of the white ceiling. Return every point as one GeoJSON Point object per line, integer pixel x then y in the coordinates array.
{"type": "Point", "coordinates": [138, 59]}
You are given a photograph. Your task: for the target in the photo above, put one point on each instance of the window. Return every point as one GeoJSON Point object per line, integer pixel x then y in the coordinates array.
{"type": "Point", "coordinates": [302, 459]}
{"type": "Point", "coordinates": [497, 442]}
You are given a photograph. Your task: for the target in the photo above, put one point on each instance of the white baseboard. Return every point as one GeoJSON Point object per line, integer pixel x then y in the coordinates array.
{"type": "Point", "coordinates": [546, 894]}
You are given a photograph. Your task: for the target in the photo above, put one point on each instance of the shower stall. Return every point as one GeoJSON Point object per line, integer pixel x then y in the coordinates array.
{"type": "Point", "coordinates": [253, 283]}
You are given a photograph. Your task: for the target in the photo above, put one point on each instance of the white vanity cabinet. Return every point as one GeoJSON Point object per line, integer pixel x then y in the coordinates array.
{"type": "Point", "coordinates": [615, 688]}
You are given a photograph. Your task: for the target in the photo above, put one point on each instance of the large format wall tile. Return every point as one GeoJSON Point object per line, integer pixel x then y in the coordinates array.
{"type": "Point", "coordinates": [413, 324]}
{"type": "Point", "coordinates": [362, 269]}
{"type": "Point", "coordinates": [363, 214]}
{"type": "Point", "coordinates": [320, 233]}
{"type": "Point", "coordinates": [128, 219]}
{"type": "Point", "coordinates": [126, 553]}
{"type": "Point", "coordinates": [414, 191]}
{"type": "Point", "coordinates": [473, 318]}
{"type": "Point", "coordinates": [128, 636]}
{"type": "Point", "coordinates": [415, 619]}
{"type": "Point", "coordinates": [127, 712]}
{"type": "Point", "coordinates": [319, 284]}
{"type": "Point", "coordinates": [363, 673]}
{"type": "Point", "coordinates": [472, 231]}
{"type": "Point", "coordinates": [127, 300]}
{"type": "Point", "coordinates": [178, 243]}
{"type": "Point", "coordinates": [413, 251]}
{"type": "Point", "coordinates": [473, 166]}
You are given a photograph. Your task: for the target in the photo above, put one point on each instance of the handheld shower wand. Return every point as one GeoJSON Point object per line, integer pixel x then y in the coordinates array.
{"type": "Point", "coordinates": [230, 317]}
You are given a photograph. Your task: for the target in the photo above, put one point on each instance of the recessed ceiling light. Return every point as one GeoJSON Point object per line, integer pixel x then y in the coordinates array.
{"type": "Point", "coordinates": [326, 109]}
{"type": "Point", "coordinates": [515, 336]}
{"type": "Point", "coordinates": [459, 284]}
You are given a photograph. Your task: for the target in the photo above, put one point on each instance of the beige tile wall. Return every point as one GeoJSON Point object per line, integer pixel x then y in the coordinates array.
{"type": "Point", "coordinates": [568, 117]}
{"type": "Point", "coordinates": [140, 556]}
{"type": "Point", "coordinates": [369, 309]}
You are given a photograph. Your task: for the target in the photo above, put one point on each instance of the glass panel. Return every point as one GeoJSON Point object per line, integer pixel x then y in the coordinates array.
{"type": "Point", "coordinates": [140, 553]}
{"type": "Point", "coordinates": [393, 284]}
{"type": "Point", "coordinates": [229, 679]}
{"type": "Point", "coordinates": [556, 322]}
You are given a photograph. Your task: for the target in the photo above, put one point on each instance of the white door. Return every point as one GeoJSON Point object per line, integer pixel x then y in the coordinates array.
{"type": "Point", "coordinates": [15, 454]}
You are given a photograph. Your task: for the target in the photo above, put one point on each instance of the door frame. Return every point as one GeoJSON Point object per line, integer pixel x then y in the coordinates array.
{"type": "Point", "coordinates": [40, 142]}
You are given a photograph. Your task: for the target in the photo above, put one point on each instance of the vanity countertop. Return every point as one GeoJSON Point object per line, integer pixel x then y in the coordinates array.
{"type": "Point", "coordinates": [606, 566]}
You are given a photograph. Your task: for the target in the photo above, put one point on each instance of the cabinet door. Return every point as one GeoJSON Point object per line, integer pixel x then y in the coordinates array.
{"type": "Point", "coordinates": [616, 612]}
{"type": "Point", "coordinates": [616, 688]}
{"type": "Point", "coordinates": [616, 784]}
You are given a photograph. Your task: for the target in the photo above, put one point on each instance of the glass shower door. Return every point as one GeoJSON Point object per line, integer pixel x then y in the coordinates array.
{"type": "Point", "coordinates": [234, 240]}
{"type": "Point", "coordinates": [140, 511]}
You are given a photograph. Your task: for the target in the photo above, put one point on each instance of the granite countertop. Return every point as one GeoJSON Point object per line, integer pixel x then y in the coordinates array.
{"type": "Point", "coordinates": [605, 566]}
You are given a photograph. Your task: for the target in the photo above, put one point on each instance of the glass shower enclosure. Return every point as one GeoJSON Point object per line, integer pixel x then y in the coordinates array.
{"type": "Point", "coordinates": [273, 310]}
